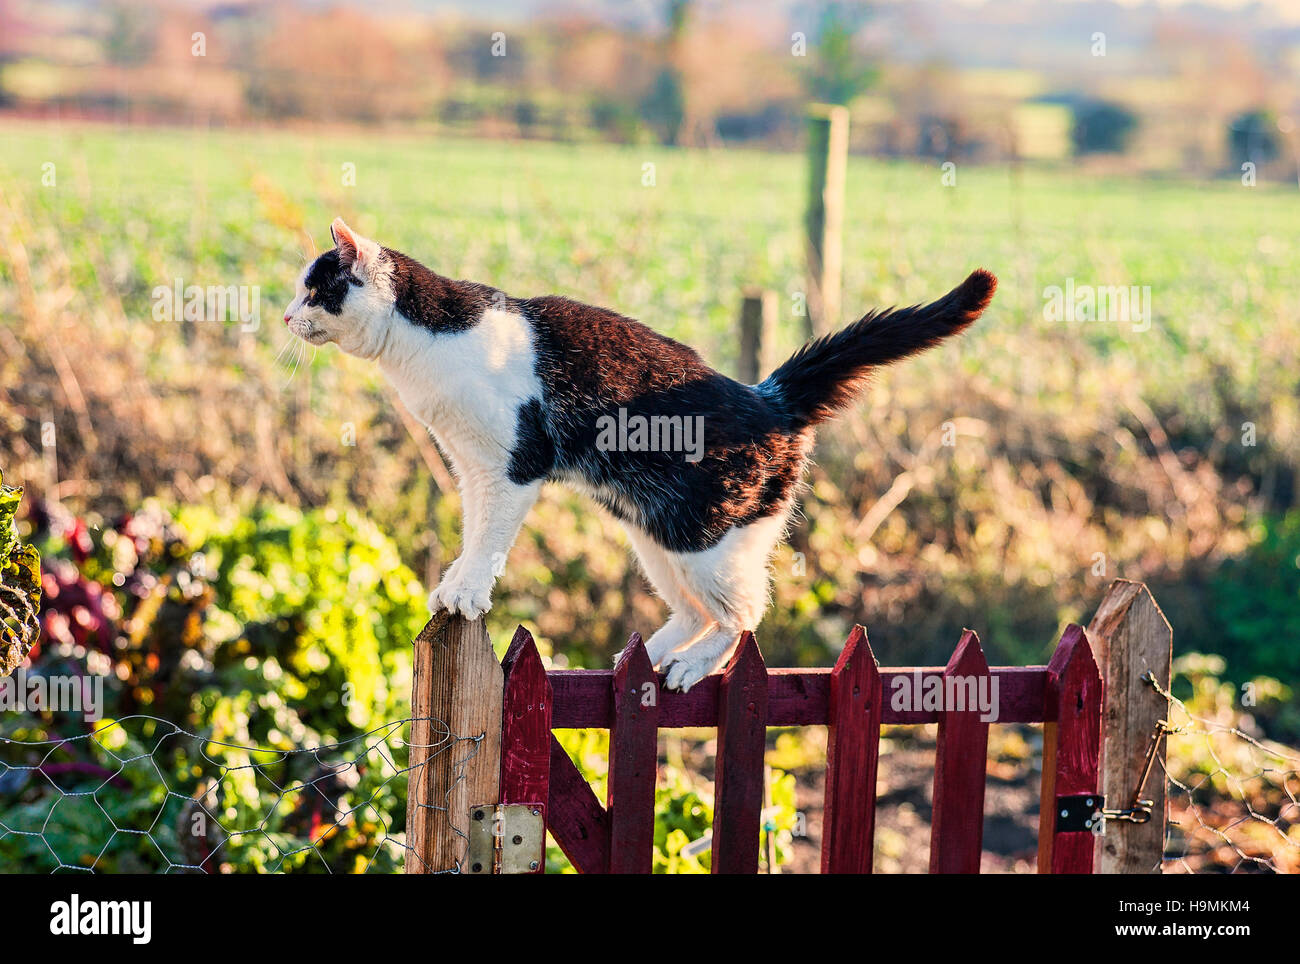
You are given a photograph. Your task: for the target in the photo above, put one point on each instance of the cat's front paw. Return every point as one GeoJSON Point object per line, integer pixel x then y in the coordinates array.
{"type": "Point", "coordinates": [462, 596]}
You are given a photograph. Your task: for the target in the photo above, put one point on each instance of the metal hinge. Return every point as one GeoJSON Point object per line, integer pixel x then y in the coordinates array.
{"type": "Point", "coordinates": [1080, 813]}
{"type": "Point", "coordinates": [506, 838]}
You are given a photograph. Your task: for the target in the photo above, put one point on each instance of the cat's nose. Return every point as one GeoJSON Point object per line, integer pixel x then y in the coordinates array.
{"type": "Point", "coordinates": [286, 318]}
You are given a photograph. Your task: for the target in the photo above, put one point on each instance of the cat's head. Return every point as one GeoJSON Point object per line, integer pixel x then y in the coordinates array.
{"type": "Point", "coordinates": [345, 295]}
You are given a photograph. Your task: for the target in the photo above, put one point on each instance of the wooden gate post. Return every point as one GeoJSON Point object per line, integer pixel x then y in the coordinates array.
{"type": "Point", "coordinates": [455, 747]}
{"type": "Point", "coordinates": [1131, 638]}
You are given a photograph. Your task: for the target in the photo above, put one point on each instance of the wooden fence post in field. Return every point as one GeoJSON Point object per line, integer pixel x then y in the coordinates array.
{"type": "Point", "coordinates": [828, 152]}
{"type": "Point", "coordinates": [1131, 638]}
{"type": "Point", "coordinates": [455, 746]}
{"type": "Point", "coordinates": [757, 334]}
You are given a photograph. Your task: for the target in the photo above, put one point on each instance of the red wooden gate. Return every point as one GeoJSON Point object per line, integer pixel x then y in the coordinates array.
{"type": "Point", "coordinates": [1065, 696]}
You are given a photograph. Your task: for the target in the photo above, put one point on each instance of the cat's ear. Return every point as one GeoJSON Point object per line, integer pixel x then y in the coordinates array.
{"type": "Point", "coordinates": [359, 255]}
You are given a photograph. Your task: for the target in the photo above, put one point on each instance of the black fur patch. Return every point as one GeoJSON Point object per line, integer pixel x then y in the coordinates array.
{"type": "Point", "coordinates": [533, 456]}
{"type": "Point", "coordinates": [592, 362]}
{"type": "Point", "coordinates": [330, 280]}
{"type": "Point", "coordinates": [431, 301]}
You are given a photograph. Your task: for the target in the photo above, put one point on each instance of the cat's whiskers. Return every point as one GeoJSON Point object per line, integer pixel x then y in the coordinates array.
{"type": "Point", "coordinates": [285, 356]}
{"type": "Point", "coordinates": [283, 348]}
{"type": "Point", "coordinates": [297, 357]}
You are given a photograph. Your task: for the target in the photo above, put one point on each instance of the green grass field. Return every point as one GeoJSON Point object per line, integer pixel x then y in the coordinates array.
{"type": "Point", "coordinates": [535, 217]}
{"type": "Point", "coordinates": [1073, 438]}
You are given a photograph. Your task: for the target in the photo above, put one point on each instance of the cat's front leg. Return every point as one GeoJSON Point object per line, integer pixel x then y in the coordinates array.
{"type": "Point", "coordinates": [467, 483]}
{"type": "Point", "coordinates": [467, 589]}
{"type": "Point", "coordinates": [471, 522]}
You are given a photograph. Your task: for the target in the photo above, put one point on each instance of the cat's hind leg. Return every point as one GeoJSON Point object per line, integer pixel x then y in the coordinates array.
{"type": "Point", "coordinates": [688, 620]}
{"type": "Point", "coordinates": [730, 582]}
{"type": "Point", "coordinates": [684, 626]}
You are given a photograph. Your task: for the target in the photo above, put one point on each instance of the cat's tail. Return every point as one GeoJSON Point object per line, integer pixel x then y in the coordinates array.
{"type": "Point", "coordinates": [824, 375]}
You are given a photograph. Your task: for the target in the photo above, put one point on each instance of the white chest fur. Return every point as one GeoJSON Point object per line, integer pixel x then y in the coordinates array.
{"type": "Point", "coordinates": [467, 386]}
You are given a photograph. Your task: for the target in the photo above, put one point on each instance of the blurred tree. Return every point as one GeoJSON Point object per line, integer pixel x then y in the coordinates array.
{"type": "Point", "coordinates": [1102, 127]}
{"type": "Point", "coordinates": [615, 118]}
{"type": "Point", "coordinates": [1253, 136]}
{"type": "Point", "coordinates": [303, 55]}
{"type": "Point", "coordinates": [665, 104]}
{"type": "Point", "coordinates": [9, 27]}
{"type": "Point", "coordinates": [837, 73]}
{"type": "Point", "coordinates": [131, 35]}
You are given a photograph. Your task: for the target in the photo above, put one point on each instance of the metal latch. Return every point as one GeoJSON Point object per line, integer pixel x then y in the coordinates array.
{"type": "Point", "coordinates": [506, 838]}
{"type": "Point", "coordinates": [1139, 809]}
{"type": "Point", "coordinates": [1079, 813]}
{"type": "Point", "coordinates": [1087, 811]}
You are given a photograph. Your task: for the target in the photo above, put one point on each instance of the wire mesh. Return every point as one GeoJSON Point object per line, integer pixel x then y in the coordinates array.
{"type": "Point", "coordinates": [1232, 797]}
{"type": "Point", "coordinates": [141, 793]}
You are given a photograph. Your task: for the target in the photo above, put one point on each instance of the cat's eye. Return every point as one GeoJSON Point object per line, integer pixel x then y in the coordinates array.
{"type": "Point", "coordinates": [311, 294]}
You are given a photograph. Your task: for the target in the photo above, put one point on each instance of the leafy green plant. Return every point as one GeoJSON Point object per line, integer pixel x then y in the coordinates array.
{"type": "Point", "coordinates": [20, 586]}
{"type": "Point", "coordinates": [321, 595]}
{"type": "Point", "coordinates": [281, 641]}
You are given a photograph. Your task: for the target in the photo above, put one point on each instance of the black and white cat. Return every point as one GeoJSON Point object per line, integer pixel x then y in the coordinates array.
{"type": "Point", "coordinates": [702, 471]}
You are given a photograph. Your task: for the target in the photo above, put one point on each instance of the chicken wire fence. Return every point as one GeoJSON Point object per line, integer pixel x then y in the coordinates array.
{"type": "Point", "coordinates": [141, 794]}
{"type": "Point", "coordinates": [1232, 794]}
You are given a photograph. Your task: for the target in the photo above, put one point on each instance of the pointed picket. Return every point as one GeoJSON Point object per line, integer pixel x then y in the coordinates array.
{"type": "Point", "coordinates": [526, 724]}
{"type": "Point", "coordinates": [633, 762]}
{"type": "Point", "coordinates": [960, 763]}
{"type": "Point", "coordinates": [1071, 751]}
{"type": "Point", "coordinates": [738, 779]}
{"type": "Point", "coordinates": [852, 754]}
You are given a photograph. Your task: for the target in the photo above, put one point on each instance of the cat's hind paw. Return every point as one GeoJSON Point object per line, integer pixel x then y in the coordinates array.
{"type": "Point", "coordinates": [467, 599]}
{"type": "Point", "coordinates": [683, 672]}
